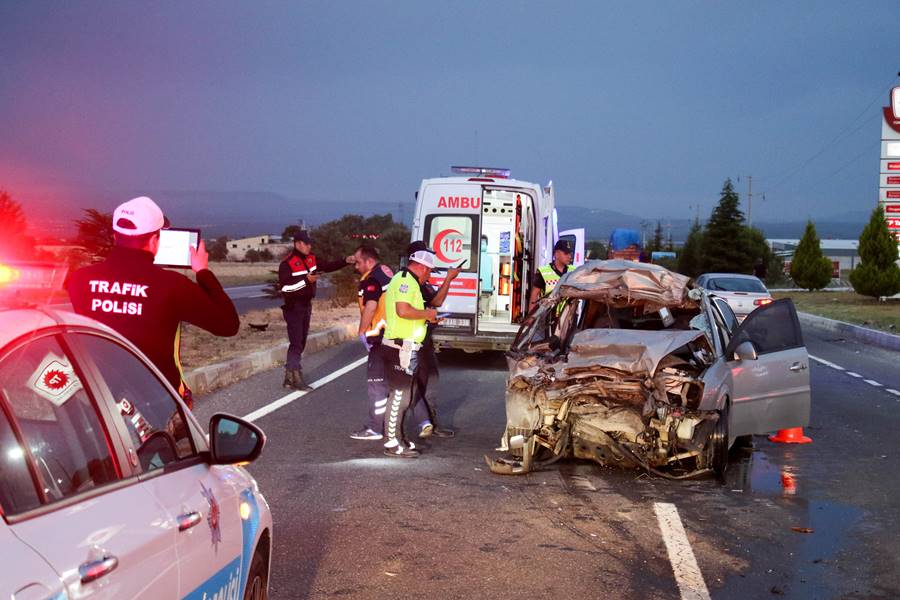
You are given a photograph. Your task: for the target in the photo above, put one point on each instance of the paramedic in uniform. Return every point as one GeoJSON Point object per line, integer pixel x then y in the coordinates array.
{"type": "Point", "coordinates": [547, 276]}
{"type": "Point", "coordinates": [406, 318]}
{"type": "Point", "coordinates": [373, 282]}
{"type": "Point", "coordinates": [146, 303]}
{"type": "Point", "coordinates": [297, 276]}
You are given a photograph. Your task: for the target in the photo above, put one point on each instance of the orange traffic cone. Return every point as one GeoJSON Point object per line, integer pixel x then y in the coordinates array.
{"type": "Point", "coordinates": [794, 435]}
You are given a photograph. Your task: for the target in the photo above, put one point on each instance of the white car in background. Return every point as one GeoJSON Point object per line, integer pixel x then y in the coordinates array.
{"type": "Point", "coordinates": [743, 293]}
{"type": "Point", "coordinates": [108, 485]}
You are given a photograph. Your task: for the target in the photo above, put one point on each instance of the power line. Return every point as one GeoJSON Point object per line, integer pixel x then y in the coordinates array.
{"type": "Point", "coordinates": [845, 131]}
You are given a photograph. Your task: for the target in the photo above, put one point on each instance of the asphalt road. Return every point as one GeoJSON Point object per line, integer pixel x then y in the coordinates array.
{"type": "Point", "coordinates": [350, 522]}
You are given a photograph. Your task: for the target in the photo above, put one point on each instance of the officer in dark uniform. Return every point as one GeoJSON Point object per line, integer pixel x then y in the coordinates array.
{"type": "Point", "coordinates": [373, 282]}
{"type": "Point", "coordinates": [297, 276]}
{"type": "Point", "coordinates": [424, 408]}
{"type": "Point", "coordinates": [146, 303]}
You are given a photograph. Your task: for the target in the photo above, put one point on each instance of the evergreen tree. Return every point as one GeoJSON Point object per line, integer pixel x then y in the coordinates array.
{"type": "Point", "coordinates": [95, 234]}
{"type": "Point", "coordinates": [218, 250]}
{"type": "Point", "coordinates": [878, 274]}
{"type": "Point", "coordinates": [595, 250]}
{"type": "Point", "coordinates": [690, 259]}
{"type": "Point", "coordinates": [13, 241]}
{"type": "Point", "coordinates": [725, 247]}
{"type": "Point", "coordinates": [810, 269]}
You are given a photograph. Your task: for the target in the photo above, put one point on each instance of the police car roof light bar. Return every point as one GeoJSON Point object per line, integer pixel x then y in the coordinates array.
{"type": "Point", "coordinates": [486, 171]}
{"type": "Point", "coordinates": [30, 283]}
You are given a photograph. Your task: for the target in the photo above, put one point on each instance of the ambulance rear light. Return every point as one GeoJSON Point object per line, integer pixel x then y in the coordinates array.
{"type": "Point", "coordinates": [482, 171]}
{"type": "Point", "coordinates": [762, 301]}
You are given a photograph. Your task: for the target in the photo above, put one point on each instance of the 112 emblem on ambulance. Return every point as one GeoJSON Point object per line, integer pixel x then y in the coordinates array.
{"type": "Point", "coordinates": [54, 380]}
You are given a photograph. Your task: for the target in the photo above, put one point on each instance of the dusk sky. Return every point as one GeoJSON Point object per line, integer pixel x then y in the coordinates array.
{"type": "Point", "coordinates": [642, 109]}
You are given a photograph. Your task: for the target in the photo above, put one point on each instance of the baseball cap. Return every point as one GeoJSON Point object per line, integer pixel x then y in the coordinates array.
{"type": "Point", "coordinates": [562, 245]}
{"type": "Point", "coordinates": [303, 236]}
{"type": "Point", "coordinates": [138, 216]}
{"type": "Point", "coordinates": [423, 257]}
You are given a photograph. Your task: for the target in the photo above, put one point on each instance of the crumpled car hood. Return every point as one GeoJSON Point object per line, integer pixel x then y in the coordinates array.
{"type": "Point", "coordinates": [626, 283]}
{"type": "Point", "coordinates": [626, 350]}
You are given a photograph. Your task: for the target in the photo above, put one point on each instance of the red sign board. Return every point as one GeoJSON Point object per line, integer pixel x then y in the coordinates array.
{"type": "Point", "coordinates": [893, 180]}
{"type": "Point", "coordinates": [893, 194]}
{"type": "Point", "coordinates": [893, 166]}
{"type": "Point", "coordinates": [892, 208]}
{"type": "Point", "coordinates": [893, 223]}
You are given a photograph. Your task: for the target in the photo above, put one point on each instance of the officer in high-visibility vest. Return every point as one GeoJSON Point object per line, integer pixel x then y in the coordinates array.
{"type": "Point", "coordinates": [406, 318]}
{"type": "Point", "coordinates": [547, 276]}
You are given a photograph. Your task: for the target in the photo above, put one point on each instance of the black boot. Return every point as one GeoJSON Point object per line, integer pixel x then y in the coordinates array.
{"type": "Point", "coordinates": [298, 382]}
{"type": "Point", "coordinates": [288, 380]}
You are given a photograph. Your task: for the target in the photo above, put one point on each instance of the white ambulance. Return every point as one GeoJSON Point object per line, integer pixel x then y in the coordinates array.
{"type": "Point", "coordinates": [501, 230]}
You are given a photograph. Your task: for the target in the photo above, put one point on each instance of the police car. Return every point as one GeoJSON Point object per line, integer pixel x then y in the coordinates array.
{"type": "Point", "coordinates": [109, 487]}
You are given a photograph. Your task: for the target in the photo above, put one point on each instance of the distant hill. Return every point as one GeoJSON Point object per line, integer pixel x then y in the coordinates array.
{"type": "Point", "coordinates": [239, 214]}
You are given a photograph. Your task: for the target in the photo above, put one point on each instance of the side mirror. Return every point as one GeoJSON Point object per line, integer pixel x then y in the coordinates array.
{"type": "Point", "coordinates": [745, 351]}
{"type": "Point", "coordinates": [233, 440]}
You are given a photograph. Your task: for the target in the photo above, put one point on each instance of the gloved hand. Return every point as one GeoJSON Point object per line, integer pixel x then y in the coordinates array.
{"type": "Point", "coordinates": [365, 342]}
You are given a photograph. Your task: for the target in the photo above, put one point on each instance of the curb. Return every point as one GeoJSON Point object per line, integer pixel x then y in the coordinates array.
{"type": "Point", "coordinates": [873, 337]}
{"type": "Point", "coordinates": [210, 377]}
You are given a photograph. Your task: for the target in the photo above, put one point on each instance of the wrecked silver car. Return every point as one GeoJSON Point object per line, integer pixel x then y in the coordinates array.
{"type": "Point", "coordinates": [628, 364]}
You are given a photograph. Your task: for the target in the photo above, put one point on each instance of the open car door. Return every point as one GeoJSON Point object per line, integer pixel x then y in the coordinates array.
{"type": "Point", "coordinates": [770, 384]}
{"type": "Point", "coordinates": [575, 237]}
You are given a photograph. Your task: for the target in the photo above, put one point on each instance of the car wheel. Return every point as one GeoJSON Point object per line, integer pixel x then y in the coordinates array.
{"type": "Point", "coordinates": [257, 581]}
{"type": "Point", "coordinates": [717, 446]}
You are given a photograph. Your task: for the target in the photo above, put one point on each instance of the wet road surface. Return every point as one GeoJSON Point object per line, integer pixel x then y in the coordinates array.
{"type": "Point", "coordinates": [792, 521]}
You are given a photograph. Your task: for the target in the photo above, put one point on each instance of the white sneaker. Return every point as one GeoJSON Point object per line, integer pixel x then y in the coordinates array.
{"type": "Point", "coordinates": [366, 434]}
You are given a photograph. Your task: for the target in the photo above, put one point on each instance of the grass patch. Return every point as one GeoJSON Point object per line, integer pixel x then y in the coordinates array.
{"type": "Point", "coordinates": [237, 273]}
{"type": "Point", "coordinates": [200, 348]}
{"type": "Point", "coordinates": [848, 306]}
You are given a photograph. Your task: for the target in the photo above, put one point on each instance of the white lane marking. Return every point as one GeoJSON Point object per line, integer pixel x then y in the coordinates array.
{"type": "Point", "coordinates": [684, 565]}
{"type": "Point", "coordinates": [827, 363]}
{"type": "Point", "coordinates": [852, 374]}
{"type": "Point", "coordinates": [285, 400]}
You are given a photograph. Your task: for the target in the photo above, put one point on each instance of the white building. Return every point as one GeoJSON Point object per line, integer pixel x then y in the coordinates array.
{"type": "Point", "coordinates": [844, 252]}
{"type": "Point", "coordinates": [237, 249]}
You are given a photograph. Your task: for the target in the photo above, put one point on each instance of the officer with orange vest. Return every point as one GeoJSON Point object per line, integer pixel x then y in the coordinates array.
{"type": "Point", "coordinates": [297, 277]}
{"type": "Point", "coordinates": [373, 282]}
{"type": "Point", "coordinates": [547, 276]}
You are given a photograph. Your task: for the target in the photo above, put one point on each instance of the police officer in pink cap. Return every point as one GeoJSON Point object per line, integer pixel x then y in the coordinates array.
{"type": "Point", "coordinates": [146, 303]}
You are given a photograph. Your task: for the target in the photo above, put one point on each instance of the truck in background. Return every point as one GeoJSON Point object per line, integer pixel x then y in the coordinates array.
{"type": "Point", "coordinates": [624, 244]}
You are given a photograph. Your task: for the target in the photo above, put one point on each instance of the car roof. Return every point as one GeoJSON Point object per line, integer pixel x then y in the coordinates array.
{"type": "Point", "coordinates": [735, 275]}
{"type": "Point", "coordinates": [16, 322]}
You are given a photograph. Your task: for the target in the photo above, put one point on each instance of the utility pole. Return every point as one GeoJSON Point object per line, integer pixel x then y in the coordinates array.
{"type": "Point", "coordinates": [750, 200]}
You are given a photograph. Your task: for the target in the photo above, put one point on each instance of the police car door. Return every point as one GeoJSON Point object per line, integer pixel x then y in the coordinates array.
{"type": "Point", "coordinates": [201, 501]}
{"type": "Point", "coordinates": [86, 513]}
